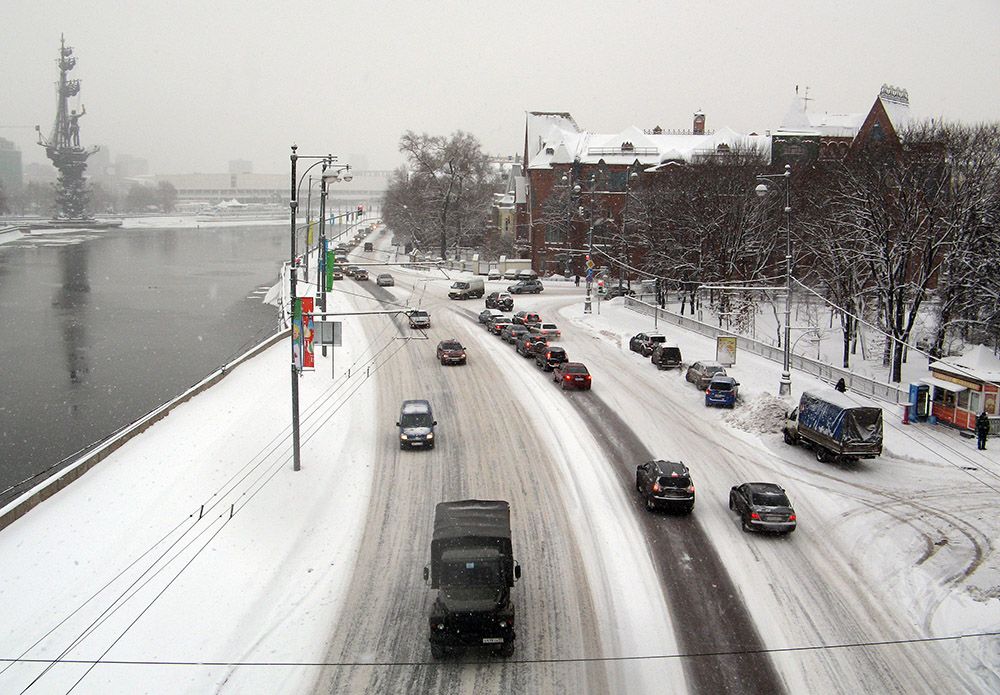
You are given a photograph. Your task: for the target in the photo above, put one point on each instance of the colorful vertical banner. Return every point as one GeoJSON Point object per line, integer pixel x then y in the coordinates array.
{"type": "Point", "coordinates": [297, 333]}
{"type": "Point", "coordinates": [331, 262]}
{"type": "Point", "coordinates": [308, 359]}
{"type": "Point", "coordinates": [309, 233]}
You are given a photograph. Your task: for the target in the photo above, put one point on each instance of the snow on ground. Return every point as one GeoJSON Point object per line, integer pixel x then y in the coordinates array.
{"type": "Point", "coordinates": [123, 551]}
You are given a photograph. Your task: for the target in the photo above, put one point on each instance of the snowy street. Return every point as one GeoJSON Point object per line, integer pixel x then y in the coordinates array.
{"type": "Point", "coordinates": [194, 559]}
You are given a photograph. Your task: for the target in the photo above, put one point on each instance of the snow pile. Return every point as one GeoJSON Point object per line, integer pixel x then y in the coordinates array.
{"type": "Point", "coordinates": [764, 414]}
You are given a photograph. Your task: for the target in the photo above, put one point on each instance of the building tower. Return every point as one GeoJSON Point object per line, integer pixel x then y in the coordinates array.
{"type": "Point", "coordinates": [63, 145]}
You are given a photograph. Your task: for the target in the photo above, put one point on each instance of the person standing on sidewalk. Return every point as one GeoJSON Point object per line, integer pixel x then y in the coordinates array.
{"type": "Point", "coordinates": [982, 430]}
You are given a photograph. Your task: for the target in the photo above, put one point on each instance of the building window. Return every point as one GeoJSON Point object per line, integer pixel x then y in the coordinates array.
{"type": "Point", "coordinates": [975, 402]}
{"type": "Point", "coordinates": [963, 400]}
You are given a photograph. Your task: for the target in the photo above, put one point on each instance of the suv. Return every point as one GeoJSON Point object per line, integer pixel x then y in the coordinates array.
{"type": "Point", "coordinates": [722, 390]}
{"type": "Point", "coordinates": [549, 329]}
{"type": "Point", "coordinates": [526, 344]}
{"type": "Point", "coordinates": [666, 356]}
{"type": "Point", "coordinates": [450, 352]}
{"type": "Point", "coordinates": [486, 316]}
{"type": "Point", "coordinates": [526, 287]}
{"type": "Point", "coordinates": [701, 372]}
{"type": "Point", "coordinates": [550, 356]}
{"type": "Point", "coordinates": [419, 319]}
{"type": "Point", "coordinates": [643, 343]}
{"type": "Point", "coordinates": [526, 318]}
{"type": "Point", "coordinates": [499, 300]}
{"type": "Point", "coordinates": [665, 484]}
{"type": "Point", "coordinates": [416, 425]}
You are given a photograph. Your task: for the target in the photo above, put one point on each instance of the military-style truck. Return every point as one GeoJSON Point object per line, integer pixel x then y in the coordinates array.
{"type": "Point", "coordinates": [473, 568]}
{"type": "Point", "coordinates": [834, 426]}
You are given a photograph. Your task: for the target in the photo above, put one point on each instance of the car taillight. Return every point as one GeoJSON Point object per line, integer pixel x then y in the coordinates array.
{"type": "Point", "coordinates": [656, 487]}
{"type": "Point", "coordinates": [708, 391]}
{"type": "Point", "coordinates": [567, 377]}
{"type": "Point", "coordinates": [691, 489]}
{"type": "Point", "coordinates": [791, 517]}
{"type": "Point", "coordinates": [587, 377]}
{"type": "Point", "coordinates": [755, 515]}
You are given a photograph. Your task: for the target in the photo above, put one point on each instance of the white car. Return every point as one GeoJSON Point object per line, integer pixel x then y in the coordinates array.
{"type": "Point", "coordinates": [549, 330]}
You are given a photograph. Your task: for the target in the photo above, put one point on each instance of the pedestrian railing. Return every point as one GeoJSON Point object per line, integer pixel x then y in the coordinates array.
{"type": "Point", "coordinates": [890, 393]}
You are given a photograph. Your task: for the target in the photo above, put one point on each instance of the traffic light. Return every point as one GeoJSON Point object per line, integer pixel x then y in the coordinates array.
{"type": "Point", "coordinates": [361, 211]}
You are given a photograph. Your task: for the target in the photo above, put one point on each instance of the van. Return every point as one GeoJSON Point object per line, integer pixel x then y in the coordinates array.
{"type": "Point", "coordinates": [471, 288]}
{"type": "Point", "coordinates": [416, 425]}
{"type": "Point", "coordinates": [369, 246]}
{"type": "Point", "coordinates": [666, 356]}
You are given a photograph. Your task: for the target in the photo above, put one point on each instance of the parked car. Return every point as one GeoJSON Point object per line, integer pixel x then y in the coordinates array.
{"type": "Point", "coordinates": [762, 507]}
{"type": "Point", "coordinates": [510, 275]}
{"type": "Point", "coordinates": [526, 274]}
{"type": "Point", "coordinates": [722, 390]}
{"type": "Point", "coordinates": [419, 319]}
{"type": "Point", "coordinates": [361, 275]}
{"type": "Point", "coordinates": [666, 356]}
{"type": "Point", "coordinates": [497, 325]}
{"type": "Point", "coordinates": [572, 375]}
{"type": "Point", "coordinates": [702, 371]}
{"type": "Point", "coordinates": [526, 345]}
{"type": "Point", "coordinates": [488, 315]}
{"type": "Point", "coordinates": [499, 300]}
{"type": "Point", "coordinates": [526, 318]}
{"type": "Point", "coordinates": [665, 484]}
{"type": "Point", "coordinates": [549, 329]}
{"type": "Point", "coordinates": [416, 425]}
{"type": "Point", "coordinates": [451, 352]}
{"type": "Point", "coordinates": [494, 274]}
{"type": "Point", "coordinates": [385, 280]}
{"type": "Point", "coordinates": [610, 292]}
{"type": "Point", "coordinates": [643, 343]}
{"type": "Point", "coordinates": [551, 356]}
{"type": "Point", "coordinates": [526, 287]}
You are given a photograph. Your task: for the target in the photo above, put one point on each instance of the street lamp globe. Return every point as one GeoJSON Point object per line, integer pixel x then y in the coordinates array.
{"type": "Point", "coordinates": [761, 190]}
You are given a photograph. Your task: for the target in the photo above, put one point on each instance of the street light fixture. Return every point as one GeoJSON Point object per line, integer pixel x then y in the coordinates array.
{"type": "Point", "coordinates": [785, 385]}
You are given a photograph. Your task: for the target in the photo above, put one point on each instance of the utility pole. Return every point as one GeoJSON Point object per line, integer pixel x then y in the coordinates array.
{"type": "Point", "coordinates": [296, 458]}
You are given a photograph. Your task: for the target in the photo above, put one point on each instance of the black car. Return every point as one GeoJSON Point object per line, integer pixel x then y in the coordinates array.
{"type": "Point", "coordinates": [513, 333]}
{"type": "Point", "coordinates": [550, 357]}
{"type": "Point", "coordinates": [416, 425]}
{"type": "Point", "coordinates": [762, 507]}
{"type": "Point", "coordinates": [499, 300]}
{"type": "Point", "coordinates": [488, 315]}
{"type": "Point", "coordinates": [643, 343]}
{"type": "Point", "coordinates": [666, 356]}
{"type": "Point", "coordinates": [665, 484]}
{"type": "Point", "coordinates": [496, 326]}
{"type": "Point", "coordinates": [451, 352]}
{"type": "Point", "coordinates": [526, 344]}
{"type": "Point", "coordinates": [526, 287]}
{"type": "Point", "coordinates": [572, 375]}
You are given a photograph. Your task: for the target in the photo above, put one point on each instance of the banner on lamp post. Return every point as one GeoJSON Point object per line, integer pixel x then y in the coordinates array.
{"type": "Point", "coordinates": [297, 333]}
{"type": "Point", "coordinates": [309, 233]}
{"type": "Point", "coordinates": [308, 360]}
{"type": "Point", "coordinates": [331, 261]}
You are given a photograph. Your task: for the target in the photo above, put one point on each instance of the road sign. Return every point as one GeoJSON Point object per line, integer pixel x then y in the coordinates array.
{"type": "Point", "coordinates": [590, 264]}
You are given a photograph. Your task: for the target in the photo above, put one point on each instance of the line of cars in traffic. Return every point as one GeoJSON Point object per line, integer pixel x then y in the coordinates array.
{"type": "Point", "coordinates": [707, 375]}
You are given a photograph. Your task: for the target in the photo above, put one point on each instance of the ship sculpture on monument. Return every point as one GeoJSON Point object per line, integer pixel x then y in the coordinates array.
{"type": "Point", "coordinates": [63, 145]}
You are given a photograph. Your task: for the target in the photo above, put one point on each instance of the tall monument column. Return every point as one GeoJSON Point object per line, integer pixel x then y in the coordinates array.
{"type": "Point", "coordinates": [63, 144]}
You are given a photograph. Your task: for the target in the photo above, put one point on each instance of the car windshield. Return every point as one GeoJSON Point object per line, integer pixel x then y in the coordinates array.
{"type": "Point", "coordinates": [451, 346]}
{"type": "Point", "coordinates": [770, 499]}
{"type": "Point", "coordinates": [416, 420]}
{"type": "Point", "coordinates": [657, 338]}
{"type": "Point", "coordinates": [715, 369]}
{"type": "Point", "coordinates": [477, 572]}
{"type": "Point", "coordinates": [418, 314]}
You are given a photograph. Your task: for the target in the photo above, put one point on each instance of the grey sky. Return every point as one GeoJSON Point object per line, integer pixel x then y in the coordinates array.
{"type": "Point", "coordinates": [190, 85]}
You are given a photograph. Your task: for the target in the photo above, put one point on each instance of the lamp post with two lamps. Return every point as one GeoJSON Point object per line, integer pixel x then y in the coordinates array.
{"type": "Point", "coordinates": [785, 385]}
{"type": "Point", "coordinates": [298, 355]}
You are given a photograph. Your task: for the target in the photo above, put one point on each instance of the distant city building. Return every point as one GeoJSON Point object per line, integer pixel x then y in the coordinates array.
{"type": "Point", "coordinates": [128, 167]}
{"type": "Point", "coordinates": [39, 173]}
{"type": "Point", "coordinates": [11, 172]}
{"type": "Point", "coordinates": [240, 166]}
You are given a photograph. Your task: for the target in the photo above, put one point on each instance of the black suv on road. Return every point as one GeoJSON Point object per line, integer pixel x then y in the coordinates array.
{"type": "Point", "coordinates": [526, 344]}
{"type": "Point", "coordinates": [548, 357]}
{"type": "Point", "coordinates": [665, 484]}
{"type": "Point", "coordinates": [499, 300]}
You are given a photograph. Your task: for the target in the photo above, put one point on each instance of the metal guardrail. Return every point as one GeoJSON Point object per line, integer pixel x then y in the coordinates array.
{"type": "Point", "coordinates": [889, 393]}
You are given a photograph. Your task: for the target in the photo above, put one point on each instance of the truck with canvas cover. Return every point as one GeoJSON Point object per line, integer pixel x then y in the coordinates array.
{"type": "Point", "coordinates": [473, 569]}
{"type": "Point", "coordinates": [834, 426]}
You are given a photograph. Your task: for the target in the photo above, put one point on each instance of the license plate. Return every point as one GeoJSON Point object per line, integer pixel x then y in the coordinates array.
{"type": "Point", "coordinates": [492, 640]}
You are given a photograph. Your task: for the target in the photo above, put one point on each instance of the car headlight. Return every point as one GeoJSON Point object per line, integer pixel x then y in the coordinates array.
{"type": "Point", "coordinates": [430, 435]}
{"type": "Point", "coordinates": [403, 437]}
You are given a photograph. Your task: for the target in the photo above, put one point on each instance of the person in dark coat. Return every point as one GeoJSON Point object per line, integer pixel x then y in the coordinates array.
{"type": "Point", "coordinates": [841, 385]}
{"type": "Point", "coordinates": [982, 430]}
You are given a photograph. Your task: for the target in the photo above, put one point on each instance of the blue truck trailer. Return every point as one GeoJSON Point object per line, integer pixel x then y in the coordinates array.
{"type": "Point", "coordinates": [834, 426]}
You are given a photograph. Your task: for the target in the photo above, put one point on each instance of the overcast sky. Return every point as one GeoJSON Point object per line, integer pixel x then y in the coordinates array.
{"type": "Point", "coordinates": [192, 84]}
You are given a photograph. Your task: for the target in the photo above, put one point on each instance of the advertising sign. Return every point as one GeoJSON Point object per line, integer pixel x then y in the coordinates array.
{"type": "Point", "coordinates": [308, 360]}
{"type": "Point", "coordinates": [725, 350]}
{"type": "Point", "coordinates": [297, 333]}
{"type": "Point", "coordinates": [331, 264]}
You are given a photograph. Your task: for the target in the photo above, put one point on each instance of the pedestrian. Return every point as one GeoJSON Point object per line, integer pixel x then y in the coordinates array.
{"type": "Point", "coordinates": [577, 277]}
{"type": "Point", "coordinates": [841, 385]}
{"type": "Point", "coordinates": [982, 430]}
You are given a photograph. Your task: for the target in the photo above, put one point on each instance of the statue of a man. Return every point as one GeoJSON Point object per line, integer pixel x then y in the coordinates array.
{"type": "Point", "coordinates": [74, 125]}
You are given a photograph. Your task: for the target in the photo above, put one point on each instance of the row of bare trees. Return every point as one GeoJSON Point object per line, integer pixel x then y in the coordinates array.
{"type": "Point", "coordinates": [896, 230]}
{"type": "Point", "coordinates": [441, 198]}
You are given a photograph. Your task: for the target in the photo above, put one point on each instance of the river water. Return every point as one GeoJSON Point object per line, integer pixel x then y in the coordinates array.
{"type": "Point", "coordinates": [97, 328]}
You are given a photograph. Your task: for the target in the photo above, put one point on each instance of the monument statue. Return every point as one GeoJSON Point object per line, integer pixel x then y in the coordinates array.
{"type": "Point", "coordinates": [63, 145]}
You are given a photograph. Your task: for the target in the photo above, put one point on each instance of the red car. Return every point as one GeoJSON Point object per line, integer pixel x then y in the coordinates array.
{"type": "Point", "coordinates": [571, 375]}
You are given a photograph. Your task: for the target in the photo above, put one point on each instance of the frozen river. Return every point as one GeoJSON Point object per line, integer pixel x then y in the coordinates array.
{"type": "Point", "coordinates": [101, 327]}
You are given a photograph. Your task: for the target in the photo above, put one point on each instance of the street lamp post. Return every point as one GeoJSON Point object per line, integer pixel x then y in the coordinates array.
{"type": "Point", "coordinates": [785, 385]}
{"type": "Point", "coordinates": [587, 301]}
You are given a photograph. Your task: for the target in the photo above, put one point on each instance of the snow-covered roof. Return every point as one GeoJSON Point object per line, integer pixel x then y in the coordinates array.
{"type": "Point", "coordinates": [978, 362]}
{"type": "Point", "coordinates": [539, 126]}
{"type": "Point", "coordinates": [799, 121]}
